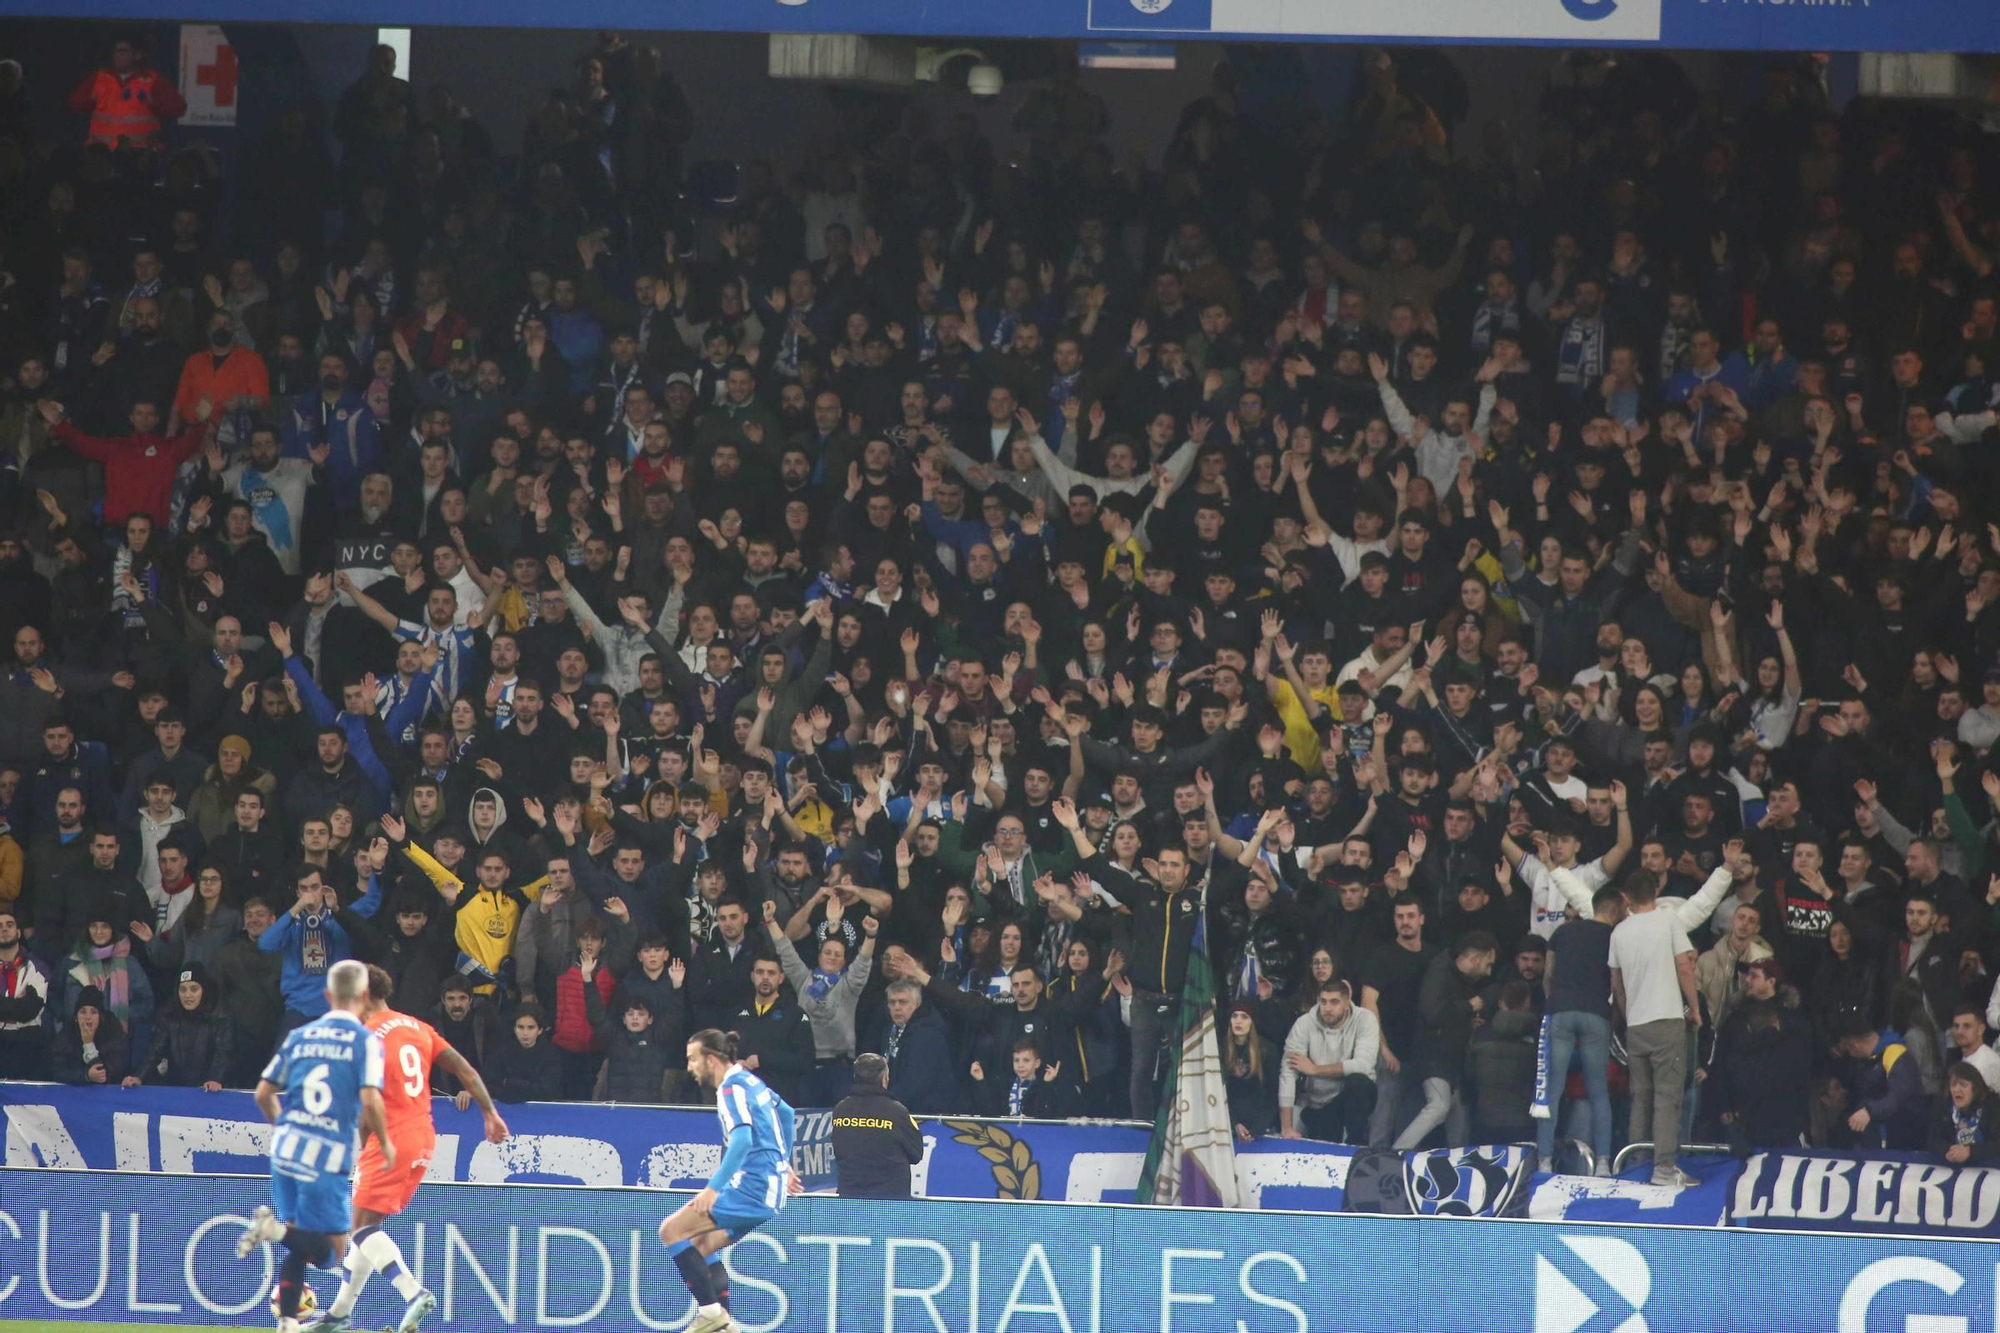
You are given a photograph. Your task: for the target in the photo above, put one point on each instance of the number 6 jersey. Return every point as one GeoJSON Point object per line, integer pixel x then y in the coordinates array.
{"type": "Point", "coordinates": [320, 1071]}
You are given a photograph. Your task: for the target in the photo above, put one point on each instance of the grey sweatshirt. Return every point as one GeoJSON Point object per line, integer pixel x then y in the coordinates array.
{"type": "Point", "coordinates": [832, 1014]}
{"type": "Point", "coordinates": [1354, 1045]}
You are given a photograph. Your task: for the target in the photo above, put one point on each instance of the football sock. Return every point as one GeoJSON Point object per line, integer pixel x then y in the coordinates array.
{"type": "Point", "coordinates": [359, 1269]}
{"type": "Point", "coordinates": [718, 1279]}
{"type": "Point", "coordinates": [312, 1247]}
{"type": "Point", "coordinates": [694, 1271]}
{"type": "Point", "coordinates": [386, 1257]}
{"type": "Point", "coordinates": [291, 1277]}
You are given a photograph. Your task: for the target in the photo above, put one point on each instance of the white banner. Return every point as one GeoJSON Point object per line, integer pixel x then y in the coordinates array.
{"type": "Point", "coordinates": [208, 75]}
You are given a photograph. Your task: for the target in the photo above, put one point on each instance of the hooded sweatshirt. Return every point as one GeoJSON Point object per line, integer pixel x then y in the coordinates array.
{"type": "Point", "coordinates": [1353, 1045]}
{"type": "Point", "coordinates": [422, 825]}
{"type": "Point", "coordinates": [499, 838]}
{"type": "Point", "coordinates": [152, 832]}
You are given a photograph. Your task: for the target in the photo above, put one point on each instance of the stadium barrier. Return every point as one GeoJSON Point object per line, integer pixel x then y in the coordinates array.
{"type": "Point", "coordinates": [1728, 25]}
{"type": "Point", "coordinates": [131, 1248]}
{"type": "Point", "coordinates": [181, 1130]}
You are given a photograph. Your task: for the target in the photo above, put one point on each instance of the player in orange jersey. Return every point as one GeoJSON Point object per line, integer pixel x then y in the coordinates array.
{"type": "Point", "coordinates": [410, 1047]}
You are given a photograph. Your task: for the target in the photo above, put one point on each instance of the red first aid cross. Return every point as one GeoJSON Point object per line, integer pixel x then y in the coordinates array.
{"type": "Point", "coordinates": [221, 75]}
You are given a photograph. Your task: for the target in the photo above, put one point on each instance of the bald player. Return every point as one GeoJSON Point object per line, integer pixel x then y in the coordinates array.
{"type": "Point", "coordinates": [410, 1047]}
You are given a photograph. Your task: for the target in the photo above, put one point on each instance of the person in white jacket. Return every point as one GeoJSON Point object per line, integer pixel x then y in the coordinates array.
{"type": "Point", "coordinates": [1693, 913]}
{"type": "Point", "coordinates": [1062, 472]}
{"type": "Point", "coordinates": [1445, 442]}
{"type": "Point", "coordinates": [1556, 853]}
{"type": "Point", "coordinates": [1326, 1086]}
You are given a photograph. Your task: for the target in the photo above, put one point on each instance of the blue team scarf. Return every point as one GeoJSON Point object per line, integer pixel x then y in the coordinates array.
{"type": "Point", "coordinates": [1965, 1127]}
{"type": "Point", "coordinates": [820, 984]}
{"type": "Point", "coordinates": [1543, 1106]}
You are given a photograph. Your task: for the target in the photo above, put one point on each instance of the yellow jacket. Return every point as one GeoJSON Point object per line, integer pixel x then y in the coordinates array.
{"type": "Point", "coordinates": [485, 929]}
{"type": "Point", "coordinates": [1300, 735]}
{"type": "Point", "coordinates": [510, 610]}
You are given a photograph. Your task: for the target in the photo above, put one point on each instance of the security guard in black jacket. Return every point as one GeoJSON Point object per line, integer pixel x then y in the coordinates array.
{"type": "Point", "coordinates": [875, 1140]}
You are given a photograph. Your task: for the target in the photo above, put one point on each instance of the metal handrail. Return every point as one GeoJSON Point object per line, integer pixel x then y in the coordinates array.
{"type": "Point", "coordinates": [1692, 1149]}
{"type": "Point", "coordinates": [1584, 1150]}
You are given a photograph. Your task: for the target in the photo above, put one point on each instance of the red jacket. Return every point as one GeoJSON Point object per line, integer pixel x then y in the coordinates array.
{"type": "Point", "coordinates": [131, 107]}
{"type": "Point", "coordinates": [573, 1031]}
{"type": "Point", "coordinates": [142, 482]}
{"type": "Point", "coordinates": [431, 348]}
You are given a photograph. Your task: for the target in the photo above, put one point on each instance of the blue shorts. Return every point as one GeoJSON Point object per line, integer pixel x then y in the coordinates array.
{"type": "Point", "coordinates": [320, 1204]}
{"type": "Point", "coordinates": [738, 1214]}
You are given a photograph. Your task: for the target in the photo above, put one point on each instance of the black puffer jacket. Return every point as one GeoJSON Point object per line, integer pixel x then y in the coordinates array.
{"type": "Point", "coordinates": [190, 1047]}
{"type": "Point", "coordinates": [635, 1063]}
{"type": "Point", "coordinates": [114, 1048]}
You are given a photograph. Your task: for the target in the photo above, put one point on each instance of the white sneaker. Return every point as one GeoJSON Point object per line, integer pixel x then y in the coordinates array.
{"type": "Point", "coordinates": [263, 1229]}
{"type": "Point", "coordinates": [415, 1312]}
{"type": "Point", "coordinates": [1674, 1176]}
{"type": "Point", "coordinates": [719, 1322]}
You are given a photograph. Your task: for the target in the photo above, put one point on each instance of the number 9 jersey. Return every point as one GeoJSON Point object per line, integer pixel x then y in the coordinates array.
{"type": "Point", "coordinates": [319, 1072]}
{"type": "Point", "coordinates": [409, 1048]}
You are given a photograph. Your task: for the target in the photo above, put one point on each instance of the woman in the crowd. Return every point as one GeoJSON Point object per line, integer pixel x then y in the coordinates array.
{"type": "Point", "coordinates": [92, 1046]}
{"type": "Point", "coordinates": [1250, 1068]}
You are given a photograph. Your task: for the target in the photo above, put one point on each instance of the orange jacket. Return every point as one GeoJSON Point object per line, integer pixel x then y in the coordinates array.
{"type": "Point", "coordinates": [130, 108]}
{"type": "Point", "coordinates": [241, 375]}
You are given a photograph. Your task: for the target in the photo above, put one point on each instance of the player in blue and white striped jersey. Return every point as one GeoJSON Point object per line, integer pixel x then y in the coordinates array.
{"type": "Point", "coordinates": [747, 1189]}
{"type": "Point", "coordinates": [323, 1091]}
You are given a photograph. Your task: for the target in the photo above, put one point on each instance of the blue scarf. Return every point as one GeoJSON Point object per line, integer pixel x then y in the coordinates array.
{"type": "Point", "coordinates": [821, 983]}
{"type": "Point", "coordinates": [1581, 351]}
{"type": "Point", "coordinates": [1489, 321]}
{"type": "Point", "coordinates": [1965, 1127]}
{"type": "Point", "coordinates": [1543, 1105]}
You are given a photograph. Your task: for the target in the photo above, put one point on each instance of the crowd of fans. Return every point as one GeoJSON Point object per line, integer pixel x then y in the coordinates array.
{"type": "Point", "coordinates": [890, 615]}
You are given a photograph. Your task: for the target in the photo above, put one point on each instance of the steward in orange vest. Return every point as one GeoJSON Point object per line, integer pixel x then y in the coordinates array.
{"type": "Point", "coordinates": [128, 101]}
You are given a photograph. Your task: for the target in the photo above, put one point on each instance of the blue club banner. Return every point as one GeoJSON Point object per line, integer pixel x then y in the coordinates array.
{"type": "Point", "coordinates": [1735, 25]}
{"type": "Point", "coordinates": [184, 1131]}
{"type": "Point", "coordinates": [136, 1249]}
{"type": "Point", "coordinates": [178, 1131]}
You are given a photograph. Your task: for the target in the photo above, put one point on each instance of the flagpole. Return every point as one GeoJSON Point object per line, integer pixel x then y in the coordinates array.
{"type": "Point", "coordinates": [1192, 1156]}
